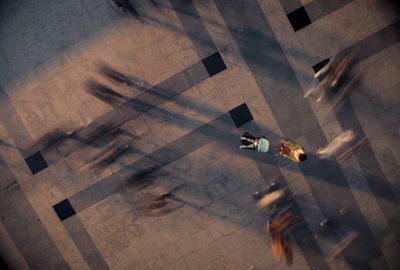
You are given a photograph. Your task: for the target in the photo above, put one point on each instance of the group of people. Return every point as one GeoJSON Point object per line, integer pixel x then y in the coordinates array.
{"type": "Point", "coordinates": [282, 219]}
{"type": "Point", "coordinates": [334, 75]}
{"type": "Point", "coordinates": [277, 201]}
{"type": "Point", "coordinates": [287, 149]}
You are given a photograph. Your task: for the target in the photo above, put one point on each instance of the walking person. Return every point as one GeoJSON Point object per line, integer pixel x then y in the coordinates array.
{"type": "Point", "coordinates": [159, 205]}
{"type": "Point", "coordinates": [345, 234]}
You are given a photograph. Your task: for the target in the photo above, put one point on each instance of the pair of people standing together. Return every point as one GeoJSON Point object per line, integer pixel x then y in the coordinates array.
{"type": "Point", "coordinates": [287, 149]}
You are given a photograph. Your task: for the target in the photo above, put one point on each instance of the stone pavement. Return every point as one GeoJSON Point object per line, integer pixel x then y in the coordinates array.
{"type": "Point", "coordinates": [201, 73]}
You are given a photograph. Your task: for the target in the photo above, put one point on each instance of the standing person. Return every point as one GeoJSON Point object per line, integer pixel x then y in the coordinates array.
{"type": "Point", "coordinates": [251, 142]}
{"type": "Point", "coordinates": [279, 228]}
{"type": "Point", "coordinates": [292, 151]}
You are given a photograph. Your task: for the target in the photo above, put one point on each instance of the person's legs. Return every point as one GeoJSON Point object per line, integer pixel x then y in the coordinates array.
{"type": "Point", "coordinates": [249, 137]}
{"type": "Point", "coordinates": [249, 146]}
{"type": "Point", "coordinates": [246, 144]}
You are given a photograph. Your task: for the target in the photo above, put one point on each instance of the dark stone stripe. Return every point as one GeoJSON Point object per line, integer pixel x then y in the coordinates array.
{"type": "Point", "coordinates": [315, 10]}
{"type": "Point", "coordinates": [380, 187]}
{"type": "Point", "coordinates": [318, 9]}
{"type": "Point", "coordinates": [14, 125]}
{"type": "Point", "coordinates": [24, 226]}
{"type": "Point", "coordinates": [142, 103]}
{"type": "Point", "coordinates": [295, 117]}
{"type": "Point", "coordinates": [377, 42]}
{"type": "Point", "coordinates": [194, 27]}
{"type": "Point", "coordinates": [162, 157]}
{"type": "Point", "coordinates": [85, 244]}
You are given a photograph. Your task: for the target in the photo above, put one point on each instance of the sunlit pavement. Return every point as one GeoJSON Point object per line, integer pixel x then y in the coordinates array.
{"type": "Point", "coordinates": [201, 73]}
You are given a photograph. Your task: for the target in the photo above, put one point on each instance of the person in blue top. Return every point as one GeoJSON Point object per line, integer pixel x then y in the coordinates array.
{"type": "Point", "coordinates": [251, 142]}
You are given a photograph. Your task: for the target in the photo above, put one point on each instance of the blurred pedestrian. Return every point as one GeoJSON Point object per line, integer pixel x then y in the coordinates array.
{"type": "Point", "coordinates": [260, 193]}
{"type": "Point", "coordinates": [337, 145]}
{"type": "Point", "coordinates": [279, 228]}
{"type": "Point", "coordinates": [270, 198]}
{"type": "Point", "coordinates": [159, 205]}
{"type": "Point", "coordinates": [332, 75]}
{"type": "Point", "coordinates": [282, 249]}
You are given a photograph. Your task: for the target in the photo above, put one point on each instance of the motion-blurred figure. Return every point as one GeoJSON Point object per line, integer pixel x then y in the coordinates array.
{"type": "Point", "coordinates": [281, 247]}
{"type": "Point", "coordinates": [279, 229]}
{"type": "Point", "coordinates": [54, 138]}
{"type": "Point", "coordinates": [332, 75]}
{"type": "Point", "coordinates": [345, 241]}
{"type": "Point", "coordinates": [340, 99]}
{"type": "Point", "coordinates": [343, 146]}
{"type": "Point", "coordinates": [337, 145]}
{"type": "Point", "coordinates": [269, 198]}
{"type": "Point", "coordinates": [346, 235]}
{"type": "Point", "coordinates": [352, 149]}
{"type": "Point", "coordinates": [281, 219]}
{"type": "Point", "coordinates": [159, 205]}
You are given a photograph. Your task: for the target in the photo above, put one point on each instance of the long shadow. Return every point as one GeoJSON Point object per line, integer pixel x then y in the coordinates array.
{"type": "Point", "coordinates": [4, 143]}
{"type": "Point", "coordinates": [186, 122]}
{"type": "Point", "coordinates": [185, 119]}
{"type": "Point", "coordinates": [247, 35]}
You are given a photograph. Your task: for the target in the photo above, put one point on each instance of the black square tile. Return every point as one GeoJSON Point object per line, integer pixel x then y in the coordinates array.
{"type": "Point", "coordinates": [64, 209]}
{"type": "Point", "coordinates": [299, 19]}
{"type": "Point", "coordinates": [241, 115]}
{"type": "Point", "coordinates": [3, 264]}
{"type": "Point", "coordinates": [320, 65]}
{"type": "Point", "coordinates": [36, 162]}
{"type": "Point", "coordinates": [214, 64]}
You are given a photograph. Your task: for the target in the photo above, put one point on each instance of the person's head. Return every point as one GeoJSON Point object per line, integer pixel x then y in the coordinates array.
{"type": "Point", "coordinates": [302, 157]}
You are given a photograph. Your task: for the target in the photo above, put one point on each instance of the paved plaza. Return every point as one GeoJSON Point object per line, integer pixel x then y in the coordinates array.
{"type": "Point", "coordinates": [201, 72]}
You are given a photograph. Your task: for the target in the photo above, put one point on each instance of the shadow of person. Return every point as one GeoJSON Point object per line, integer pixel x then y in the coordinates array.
{"type": "Point", "coordinates": [114, 75]}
